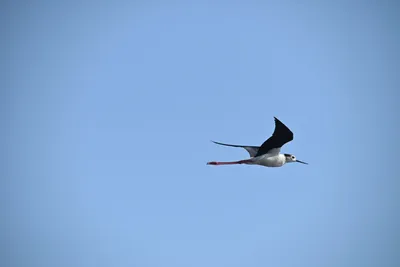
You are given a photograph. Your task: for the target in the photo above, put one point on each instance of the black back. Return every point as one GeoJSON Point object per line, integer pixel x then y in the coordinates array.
{"type": "Point", "coordinates": [281, 136]}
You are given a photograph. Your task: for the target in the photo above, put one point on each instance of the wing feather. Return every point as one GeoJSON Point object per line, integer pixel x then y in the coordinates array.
{"type": "Point", "coordinates": [252, 150]}
{"type": "Point", "coordinates": [280, 136]}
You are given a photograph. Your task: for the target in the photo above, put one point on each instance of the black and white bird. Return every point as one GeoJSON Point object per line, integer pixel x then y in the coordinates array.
{"type": "Point", "coordinates": [268, 154]}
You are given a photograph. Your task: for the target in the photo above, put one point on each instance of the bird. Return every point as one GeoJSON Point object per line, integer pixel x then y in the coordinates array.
{"type": "Point", "coordinates": [268, 154]}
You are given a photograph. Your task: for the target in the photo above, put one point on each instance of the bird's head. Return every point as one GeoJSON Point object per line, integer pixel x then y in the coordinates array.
{"type": "Point", "coordinates": [292, 158]}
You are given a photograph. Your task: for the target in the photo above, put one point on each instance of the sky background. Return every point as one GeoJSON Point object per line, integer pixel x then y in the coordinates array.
{"type": "Point", "coordinates": [108, 109]}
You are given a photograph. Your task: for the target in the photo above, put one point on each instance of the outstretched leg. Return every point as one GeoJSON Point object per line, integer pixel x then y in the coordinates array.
{"type": "Point", "coordinates": [245, 161]}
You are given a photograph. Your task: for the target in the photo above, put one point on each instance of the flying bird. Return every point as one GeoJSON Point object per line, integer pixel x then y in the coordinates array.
{"type": "Point", "coordinates": [268, 154]}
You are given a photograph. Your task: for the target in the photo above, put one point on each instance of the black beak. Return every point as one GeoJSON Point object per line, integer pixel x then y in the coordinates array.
{"type": "Point", "coordinates": [299, 161]}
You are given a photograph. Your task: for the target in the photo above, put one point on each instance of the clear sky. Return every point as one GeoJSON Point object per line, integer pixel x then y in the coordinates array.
{"type": "Point", "coordinates": [108, 109]}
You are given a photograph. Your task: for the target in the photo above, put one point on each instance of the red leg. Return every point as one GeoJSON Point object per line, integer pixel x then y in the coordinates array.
{"type": "Point", "coordinates": [229, 162]}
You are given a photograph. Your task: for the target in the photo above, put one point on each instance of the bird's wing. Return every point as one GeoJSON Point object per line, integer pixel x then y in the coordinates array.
{"type": "Point", "coordinates": [281, 136]}
{"type": "Point", "coordinates": [251, 149]}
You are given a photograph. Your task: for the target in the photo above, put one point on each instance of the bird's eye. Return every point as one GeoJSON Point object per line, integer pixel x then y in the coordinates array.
{"type": "Point", "coordinates": [292, 157]}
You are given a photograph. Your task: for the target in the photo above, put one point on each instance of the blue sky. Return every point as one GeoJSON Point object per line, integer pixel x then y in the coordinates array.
{"type": "Point", "coordinates": [108, 110]}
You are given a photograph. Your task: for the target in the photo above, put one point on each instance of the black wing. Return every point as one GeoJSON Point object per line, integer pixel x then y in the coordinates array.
{"type": "Point", "coordinates": [251, 149]}
{"type": "Point", "coordinates": [281, 136]}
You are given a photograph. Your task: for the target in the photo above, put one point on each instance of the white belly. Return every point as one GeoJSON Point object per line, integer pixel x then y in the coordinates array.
{"type": "Point", "coordinates": [274, 161]}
